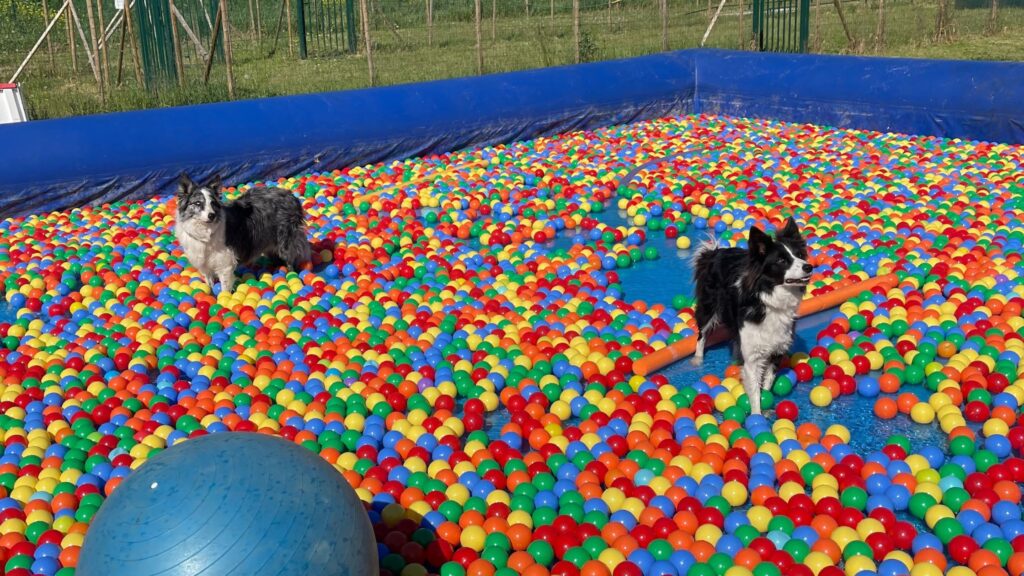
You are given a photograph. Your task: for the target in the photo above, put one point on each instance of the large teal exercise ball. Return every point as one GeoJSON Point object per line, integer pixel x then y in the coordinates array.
{"type": "Point", "coordinates": [240, 504]}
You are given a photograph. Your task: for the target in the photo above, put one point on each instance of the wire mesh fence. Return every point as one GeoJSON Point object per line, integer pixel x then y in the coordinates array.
{"type": "Point", "coordinates": [99, 57]}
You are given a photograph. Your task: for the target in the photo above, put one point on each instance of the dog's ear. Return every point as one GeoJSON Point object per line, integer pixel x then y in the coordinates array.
{"type": "Point", "coordinates": [758, 242]}
{"type": "Point", "coordinates": [185, 185]}
{"type": "Point", "coordinates": [790, 235]}
{"type": "Point", "coordinates": [215, 184]}
{"type": "Point", "coordinates": [789, 229]}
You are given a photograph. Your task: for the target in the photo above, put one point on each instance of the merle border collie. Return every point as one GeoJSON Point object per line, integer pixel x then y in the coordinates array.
{"type": "Point", "coordinates": [217, 236]}
{"type": "Point", "coordinates": [753, 293]}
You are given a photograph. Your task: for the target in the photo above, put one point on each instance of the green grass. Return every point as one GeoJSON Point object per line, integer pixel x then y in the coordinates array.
{"type": "Point", "coordinates": [402, 54]}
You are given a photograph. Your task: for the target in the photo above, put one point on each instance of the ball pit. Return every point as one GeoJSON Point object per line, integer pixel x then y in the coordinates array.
{"type": "Point", "coordinates": [461, 352]}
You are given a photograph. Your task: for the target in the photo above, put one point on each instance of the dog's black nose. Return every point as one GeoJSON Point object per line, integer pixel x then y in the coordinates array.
{"type": "Point", "coordinates": [808, 268]}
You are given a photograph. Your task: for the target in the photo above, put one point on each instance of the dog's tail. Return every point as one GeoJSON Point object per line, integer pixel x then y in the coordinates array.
{"type": "Point", "coordinates": [702, 256]}
{"type": "Point", "coordinates": [295, 249]}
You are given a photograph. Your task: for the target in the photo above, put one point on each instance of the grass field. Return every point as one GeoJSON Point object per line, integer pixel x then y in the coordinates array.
{"type": "Point", "coordinates": [512, 41]}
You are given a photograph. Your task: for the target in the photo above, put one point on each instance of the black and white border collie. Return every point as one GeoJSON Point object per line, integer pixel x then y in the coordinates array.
{"type": "Point", "coordinates": [752, 293]}
{"type": "Point", "coordinates": [216, 236]}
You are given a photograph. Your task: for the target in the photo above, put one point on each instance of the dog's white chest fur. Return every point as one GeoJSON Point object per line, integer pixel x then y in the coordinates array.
{"type": "Point", "coordinates": [774, 335]}
{"type": "Point", "coordinates": [204, 246]}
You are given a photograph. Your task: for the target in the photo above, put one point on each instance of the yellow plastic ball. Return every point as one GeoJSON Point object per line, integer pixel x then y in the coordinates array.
{"type": "Point", "coordinates": [738, 571]}
{"type": "Point", "coordinates": [869, 526]}
{"type": "Point", "coordinates": [922, 413]}
{"type": "Point", "coordinates": [708, 533]}
{"type": "Point", "coordinates": [735, 493]}
{"type": "Point", "coordinates": [995, 427]}
{"type": "Point", "coordinates": [611, 558]}
{"type": "Point", "coordinates": [72, 539]}
{"type": "Point", "coordinates": [821, 397]}
{"type": "Point", "coordinates": [614, 498]}
{"type": "Point", "coordinates": [473, 537]}
{"type": "Point", "coordinates": [902, 557]}
{"type": "Point", "coordinates": [843, 535]}
{"type": "Point", "coordinates": [817, 561]}
{"type": "Point", "coordinates": [917, 463]}
{"type": "Point", "coordinates": [839, 431]}
{"type": "Point", "coordinates": [857, 564]}
{"type": "Point", "coordinates": [960, 571]}
{"type": "Point", "coordinates": [925, 569]}
{"type": "Point", "coordinates": [936, 513]}
{"type": "Point", "coordinates": [759, 517]}
{"type": "Point", "coordinates": [457, 493]}
{"type": "Point", "coordinates": [520, 517]}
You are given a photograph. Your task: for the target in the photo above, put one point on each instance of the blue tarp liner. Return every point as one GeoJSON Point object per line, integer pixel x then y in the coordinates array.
{"type": "Point", "coordinates": [57, 164]}
{"type": "Point", "coordinates": [54, 164]}
{"type": "Point", "coordinates": [971, 100]}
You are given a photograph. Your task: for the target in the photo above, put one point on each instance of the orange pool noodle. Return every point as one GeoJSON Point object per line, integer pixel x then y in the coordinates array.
{"type": "Point", "coordinates": [683, 348]}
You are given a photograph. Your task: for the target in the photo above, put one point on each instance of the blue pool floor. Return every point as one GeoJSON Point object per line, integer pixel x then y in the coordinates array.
{"type": "Point", "coordinates": [671, 274]}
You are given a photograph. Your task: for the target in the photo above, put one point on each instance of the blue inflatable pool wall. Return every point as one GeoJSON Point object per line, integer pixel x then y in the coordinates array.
{"type": "Point", "coordinates": [58, 164]}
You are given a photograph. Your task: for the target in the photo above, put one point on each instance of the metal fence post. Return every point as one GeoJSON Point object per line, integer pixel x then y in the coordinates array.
{"type": "Point", "coordinates": [350, 25]}
{"type": "Point", "coordinates": [300, 23]}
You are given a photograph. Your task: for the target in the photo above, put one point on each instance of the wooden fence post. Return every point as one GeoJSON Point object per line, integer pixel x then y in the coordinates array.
{"type": "Point", "coordinates": [177, 48]}
{"type": "Point", "coordinates": [45, 35]}
{"type": "Point", "coordinates": [95, 56]}
{"type": "Point", "coordinates": [842, 19]}
{"type": "Point", "coordinates": [214, 34]}
{"type": "Point", "coordinates": [880, 28]}
{"type": "Point", "coordinates": [49, 45]}
{"type": "Point", "coordinates": [226, 24]}
{"type": "Point", "coordinates": [479, 43]}
{"type": "Point", "coordinates": [364, 13]}
{"type": "Point", "coordinates": [291, 37]}
{"type": "Point", "coordinates": [252, 19]}
{"type": "Point", "coordinates": [743, 35]}
{"type": "Point", "coordinates": [664, 24]}
{"type": "Point", "coordinates": [430, 23]}
{"type": "Point", "coordinates": [103, 47]}
{"type": "Point", "coordinates": [134, 41]}
{"type": "Point", "coordinates": [72, 44]}
{"type": "Point", "coordinates": [816, 45]}
{"type": "Point", "coordinates": [576, 28]}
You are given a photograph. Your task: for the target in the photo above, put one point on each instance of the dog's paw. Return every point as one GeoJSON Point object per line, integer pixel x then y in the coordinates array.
{"type": "Point", "coordinates": [767, 384]}
{"type": "Point", "coordinates": [695, 361]}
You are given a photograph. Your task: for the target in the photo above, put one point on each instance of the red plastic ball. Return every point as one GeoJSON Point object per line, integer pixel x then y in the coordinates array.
{"type": "Point", "coordinates": [787, 409]}
{"type": "Point", "coordinates": [976, 411]}
{"type": "Point", "coordinates": [627, 569]}
{"type": "Point", "coordinates": [961, 547]}
{"type": "Point", "coordinates": [881, 545]}
{"type": "Point", "coordinates": [903, 534]}
{"type": "Point", "coordinates": [804, 372]}
{"type": "Point", "coordinates": [564, 568]}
